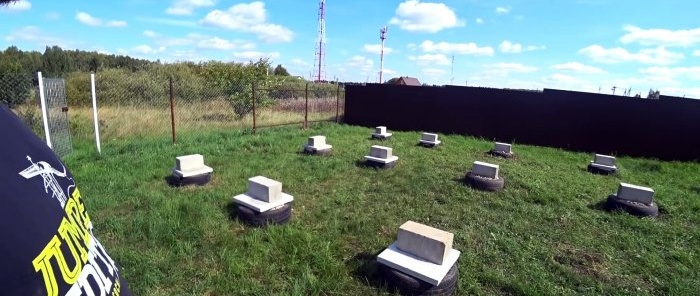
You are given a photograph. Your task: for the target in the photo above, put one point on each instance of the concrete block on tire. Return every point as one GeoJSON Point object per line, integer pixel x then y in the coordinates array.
{"type": "Point", "coordinates": [485, 184]}
{"type": "Point", "coordinates": [614, 203]}
{"type": "Point", "coordinates": [428, 243]}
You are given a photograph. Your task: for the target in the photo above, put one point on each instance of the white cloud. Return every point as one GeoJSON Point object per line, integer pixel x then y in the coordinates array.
{"type": "Point", "coordinates": [431, 59]}
{"type": "Point", "coordinates": [670, 73]}
{"type": "Point", "coordinates": [90, 20]}
{"type": "Point", "coordinates": [255, 55]}
{"type": "Point", "coordinates": [696, 52]}
{"type": "Point", "coordinates": [34, 34]}
{"type": "Point", "coordinates": [433, 72]}
{"type": "Point", "coordinates": [362, 63]}
{"type": "Point", "coordinates": [186, 7]}
{"type": "Point", "coordinates": [223, 44]}
{"type": "Point", "coordinates": [249, 18]}
{"type": "Point", "coordinates": [426, 17]}
{"type": "Point", "coordinates": [145, 49]}
{"type": "Point", "coordinates": [504, 69]}
{"type": "Point", "coordinates": [479, 20]}
{"type": "Point", "coordinates": [502, 10]}
{"type": "Point", "coordinates": [578, 68]}
{"type": "Point", "coordinates": [656, 56]}
{"type": "Point", "coordinates": [510, 47]}
{"type": "Point", "coordinates": [661, 37]}
{"type": "Point", "coordinates": [17, 6]}
{"type": "Point", "coordinates": [389, 72]}
{"type": "Point", "coordinates": [376, 49]}
{"type": "Point", "coordinates": [151, 34]}
{"type": "Point", "coordinates": [457, 48]}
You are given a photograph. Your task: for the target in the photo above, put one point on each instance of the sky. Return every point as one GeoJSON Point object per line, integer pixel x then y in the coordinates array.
{"type": "Point", "coordinates": [581, 45]}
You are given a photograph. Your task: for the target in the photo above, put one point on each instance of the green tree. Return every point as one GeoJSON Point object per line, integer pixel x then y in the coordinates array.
{"type": "Point", "coordinates": [14, 85]}
{"type": "Point", "coordinates": [280, 71]}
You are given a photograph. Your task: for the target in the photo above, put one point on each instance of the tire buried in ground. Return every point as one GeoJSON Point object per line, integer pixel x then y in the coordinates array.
{"type": "Point", "coordinates": [409, 285]}
{"type": "Point", "coordinates": [633, 208]}
{"type": "Point", "coordinates": [501, 154]}
{"type": "Point", "coordinates": [596, 170]}
{"type": "Point", "coordinates": [198, 180]}
{"type": "Point", "coordinates": [279, 215]}
{"type": "Point", "coordinates": [485, 184]}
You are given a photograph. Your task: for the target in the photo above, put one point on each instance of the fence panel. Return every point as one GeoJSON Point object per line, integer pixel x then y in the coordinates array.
{"type": "Point", "coordinates": [20, 93]}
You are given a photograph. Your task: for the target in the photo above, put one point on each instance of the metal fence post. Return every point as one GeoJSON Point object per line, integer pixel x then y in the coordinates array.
{"type": "Point", "coordinates": [172, 109]}
{"type": "Point", "coordinates": [44, 111]}
{"type": "Point", "coordinates": [254, 115]}
{"type": "Point", "coordinates": [94, 112]}
{"type": "Point", "coordinates": [306, 107]}
{"type": "Point", "coordinates": [337, 102]}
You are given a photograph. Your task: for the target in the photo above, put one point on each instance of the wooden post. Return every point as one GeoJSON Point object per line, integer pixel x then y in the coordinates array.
{"type": "Point", "coordinates": [254, 115]}
{"type": "Point", "coordinates": [306, 108]}
{"type": "Point", "coordinates": [172, 109]}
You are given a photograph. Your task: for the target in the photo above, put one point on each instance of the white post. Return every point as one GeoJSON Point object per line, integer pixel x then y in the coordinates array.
{"type": "Point", "coordinates": [44, 113]}
{"type": "Point", "coordinates": [94, 112]}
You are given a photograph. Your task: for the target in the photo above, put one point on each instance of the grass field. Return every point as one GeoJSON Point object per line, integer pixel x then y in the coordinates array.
{"type": "Point", "coordinates": [543, 235]}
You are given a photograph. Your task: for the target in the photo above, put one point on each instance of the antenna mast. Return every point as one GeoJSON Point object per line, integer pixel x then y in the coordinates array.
{"type": "Point", "coordinates": [382, 36]}
{"type": "Point", "coordinates": [320, 61]}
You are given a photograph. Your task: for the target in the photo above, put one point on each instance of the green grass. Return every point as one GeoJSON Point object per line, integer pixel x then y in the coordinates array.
{"type": "Point", "coordinates": [542, 235]}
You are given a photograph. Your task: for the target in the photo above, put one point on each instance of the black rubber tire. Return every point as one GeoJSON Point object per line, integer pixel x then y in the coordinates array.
{"type": "Point", "coordinates": [381, 138]}
{"type": "Point", "coordinates": [198, 180]}
{"type": "Point", "coordinates": [381, 165]}
{"type": "Point", "coordinates": [427, 145]}
{"type": "Point", "coordinates": [326, 152]}
{"type": "Point", "coordinates": [633, 208]}
{"type": "Point", "coordinates": [409, 285]}
{"type": "Point", "coordinates": [279, 215]}
{"type": "Point", "coordinates": [599, 171]}
{"type": "Point", "coordinates": [501, 154]}
{"type": "Point", "coordinates": [484, 183]}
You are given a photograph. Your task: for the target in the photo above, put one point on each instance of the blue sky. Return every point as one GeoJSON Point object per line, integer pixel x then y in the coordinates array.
{"type": "Point", "coordinates": [585, 45]}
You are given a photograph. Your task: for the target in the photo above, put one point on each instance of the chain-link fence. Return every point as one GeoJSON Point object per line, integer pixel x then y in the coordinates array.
{"type": "Point", "coordinates": [135, 106]}
{"type": "Point", "coordinates": [20, 93]}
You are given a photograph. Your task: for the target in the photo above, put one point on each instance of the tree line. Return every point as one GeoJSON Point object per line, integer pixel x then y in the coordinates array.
{"type": "Point", "coordinates": [123, 79]}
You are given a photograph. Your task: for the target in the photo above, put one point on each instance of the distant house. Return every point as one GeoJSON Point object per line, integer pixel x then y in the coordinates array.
{"type": "Point", "coordinates": [404, 80]}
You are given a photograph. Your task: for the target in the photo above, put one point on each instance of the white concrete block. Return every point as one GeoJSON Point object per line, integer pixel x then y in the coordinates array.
{"type": "Point", "coordinates": [604, 160]}
{"type": "Point", "coordinates": [264, 189]}
{"type": "Point", "coordinates": [259, 205]}
{"type": "Point", "coordinates": [380, 152]}
{"type": "Point", "coordinates": [430, 244]}
{"type": "Point", "coordinates": [503, 147]}
{"type": "Point", "coordinates": [604, 167]}
{"type": "Point", "coordinates": [380, 130]}
{"type": "Point", "coordinates": [200, 171]}
{"type": "Point", "coordinates": [189, 162]}
{"type": "Point", "coordinates": [316, 141]}
{"type": "Point", "coordinates": [485, 170]}
{"type": "Point", "coordinates": [428, 137]}
{"type": "Point", "coordinates": [426, 271]}
{"type": "Point", "coordinates": [636, 193]}
{"type": "Point", "coordinates": [382, 160]}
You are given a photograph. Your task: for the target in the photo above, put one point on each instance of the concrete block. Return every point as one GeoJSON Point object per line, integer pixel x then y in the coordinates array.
{"type": "Point", "coordinates": [428, 137]}
{"type": "Point", "coordinates": [503, 147]}
{"type": "Point", "coordinates": [264, 189]}
{"type": "Point", "coordinates": [380, 152]}
{"type": "Point", "coordinates": [604, 160]}
{"type": "Point", "coordinates": [635, 193]}
{"type": "Point", "coordinates": [485, 170]}
{"type": "Point", "coordinates": [189, 162]}
{"type": "Point", "coordinates": [259, 205]}
{"type": "Point", "coordinates": [200, 171]}
{"type": "Point", "coordinates": [380, 130]}
{"type": "Point", "coordinates": [430, 244]}
{"type": "Point", "coordinates": [416, 267]}
{"type": "Point", "coordinates": [316, 141]}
